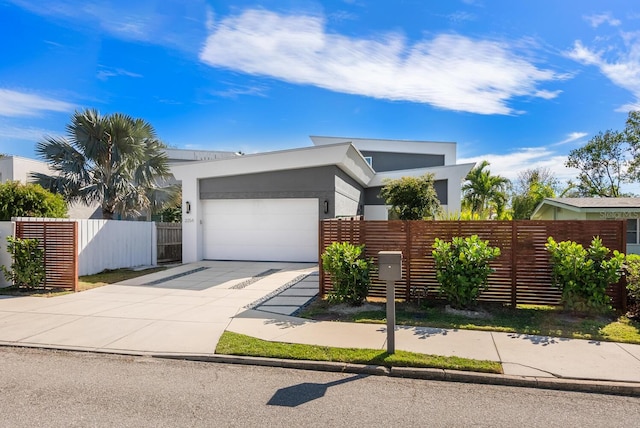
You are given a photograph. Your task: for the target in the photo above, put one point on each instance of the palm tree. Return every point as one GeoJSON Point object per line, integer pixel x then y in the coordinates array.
{"type": "Point", "coordinates": [115, 160]}
{"type": "Point", "coordinates": [482, 192]}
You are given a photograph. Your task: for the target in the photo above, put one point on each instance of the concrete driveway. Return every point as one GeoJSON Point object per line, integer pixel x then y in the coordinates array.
{"type": "Point", "coordinates": [182, 310]}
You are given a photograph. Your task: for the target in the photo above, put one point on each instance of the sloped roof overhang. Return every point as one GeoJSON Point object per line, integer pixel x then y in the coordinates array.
{"type": "Point", "coordinates": [344, 155]}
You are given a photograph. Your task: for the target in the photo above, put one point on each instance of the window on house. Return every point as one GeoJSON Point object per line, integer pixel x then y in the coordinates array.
{"type": "Point", "coordinates": [632, 231]}
{"type": "Point", "coordinates": [369, 160]}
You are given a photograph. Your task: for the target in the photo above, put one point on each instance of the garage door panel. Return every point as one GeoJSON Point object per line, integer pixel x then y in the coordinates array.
{"type": "Point", "coordinates": [260, 229]}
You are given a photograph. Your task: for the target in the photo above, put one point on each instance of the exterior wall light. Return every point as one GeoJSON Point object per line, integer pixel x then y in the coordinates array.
{"type": "Point", "coordinates": [326, 206]}
{"type": "Point", "coordinates": [187, 208]}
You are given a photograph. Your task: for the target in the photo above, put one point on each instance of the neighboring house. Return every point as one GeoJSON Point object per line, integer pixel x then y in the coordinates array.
{"type": "Point", "coordinates": [178, 156]}
{"type": "Point", "coordinates": [595, 209]}
{"type": "Point", "coordinates": [16, 168]}
{"type": "Point", "coordinates": [266, 206]}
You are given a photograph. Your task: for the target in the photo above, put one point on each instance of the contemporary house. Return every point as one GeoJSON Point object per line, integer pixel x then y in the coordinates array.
{"type": "Point", "coordinates": [266, 206]}
{"type": "Point", "coordinates": [595, 209]}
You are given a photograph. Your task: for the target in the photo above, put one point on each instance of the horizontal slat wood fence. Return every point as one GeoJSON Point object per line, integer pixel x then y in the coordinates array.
{"type": "Point", "coordinates": [60, 243]}
{"type": "Point", "coordinates": [522, 272]}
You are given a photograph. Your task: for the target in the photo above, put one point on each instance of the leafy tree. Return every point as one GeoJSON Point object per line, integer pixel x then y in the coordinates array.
{"type": "Point", "coordinates": [412, 198]}
{"type": "Point", "coordinates": [632, 136]}
{"type": "Point", "coordinates": [114, 159]}
{"type": "Point", "coordinates": [483, 193]}
{"type": "Point", "coordinates": [530, 188]}
{"type": "Point", "coordinates": [29, 200]}
{"type": "Point", "coordinates": [168, 207]}
{"type": "Point", "coordinates": [602, 165]}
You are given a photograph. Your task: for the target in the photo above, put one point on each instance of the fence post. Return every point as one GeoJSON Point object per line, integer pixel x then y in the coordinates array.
{"type": "Point", "coordinates": [76, 256]}
{"type": "Point", "coordinates": [320, 248]}
{"type": "Point", "coordinates": [154, 244]}
{"type": "Point", "coordinates": [622, 284]}
{"type": "Point", "coordinates": [514, 259]}
{"type": "Point", "coordinates": [407, 257]}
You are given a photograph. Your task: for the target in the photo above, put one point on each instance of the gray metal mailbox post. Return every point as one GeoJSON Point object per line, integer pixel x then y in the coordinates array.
{"type": "Point", "coordinates": [390, 270]}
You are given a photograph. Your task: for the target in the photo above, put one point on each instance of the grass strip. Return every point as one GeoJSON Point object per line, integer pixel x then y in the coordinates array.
{"type": "Point", "coordinates": [86, 282]}
{"type": "Point", "coordinates": [238, 344]}
{"type": "Point", "coordinates": [525, 319]}
{"type": "Point", "coordinates": [112, 276]}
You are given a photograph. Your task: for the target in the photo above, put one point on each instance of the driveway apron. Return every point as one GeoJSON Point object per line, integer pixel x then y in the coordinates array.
{"type": "Point", "coordinates": [182, 310]}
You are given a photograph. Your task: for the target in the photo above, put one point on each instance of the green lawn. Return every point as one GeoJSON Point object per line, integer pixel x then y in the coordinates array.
{"type": "Point", "coordinates": [539, 320]}
{"type": "Point", "coordinates": [238, 344]}
{"type": "Point", "coordinates": [85, 282]}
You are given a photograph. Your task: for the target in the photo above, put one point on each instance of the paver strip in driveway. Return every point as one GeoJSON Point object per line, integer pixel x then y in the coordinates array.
{"type": "Point", "coordinates": [291, 297]}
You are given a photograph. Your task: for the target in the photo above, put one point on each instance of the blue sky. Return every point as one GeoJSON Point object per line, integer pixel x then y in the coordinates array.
{"type": "Point", "coordinates": [519, 83]}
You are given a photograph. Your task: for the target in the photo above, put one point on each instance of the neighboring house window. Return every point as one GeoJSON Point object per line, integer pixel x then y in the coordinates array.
{"type": "Point", "coordinates": [369, 160]}
{"type": "Point", "coordinates": [632, 231]}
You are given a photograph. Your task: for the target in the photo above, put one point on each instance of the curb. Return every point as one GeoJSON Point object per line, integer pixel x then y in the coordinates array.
{"type": "Point", "coordinates": [631, 389]}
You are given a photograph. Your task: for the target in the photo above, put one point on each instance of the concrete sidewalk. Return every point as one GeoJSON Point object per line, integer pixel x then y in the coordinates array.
{"type": "Point", "coordinates": [520, 355]}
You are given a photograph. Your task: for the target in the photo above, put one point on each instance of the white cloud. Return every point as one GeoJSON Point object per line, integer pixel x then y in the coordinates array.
{"type": "Point", "coordinates": [629, 107]}
{"type": "Point", "coordinates": [621, 66]}
{"type": "Point", "coordinates": [10, 132]}
{"type": "Point", "coordinates": [509, 165]}
{"type": "Point", "coordinates": [234, 91]}
{"type": "Point", "coordinates": [106, 72]}
{"type": "Point", "coordinates": [173, 23]}
{"type": "Point", "coordinates": [449, 71]}
{"type": "Point", "coordinates": [461, 16]}
{"type": "Point", "coordinates": [16, 104]}
{"type": "Point", "coordinates": [602, 18]}
{"type": "Point", "coordinates": [571, 137]}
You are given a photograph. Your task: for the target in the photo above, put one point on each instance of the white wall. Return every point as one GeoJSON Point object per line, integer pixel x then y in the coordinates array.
{"type": "Point", "coordinates": [19, 169]}
{"type": "Point", "coordinates": [112, 244]}
{"type": "Point", "coordinates": [6, 229]}
{"type": "Point", "coordinates": [376, 212]}
{"type": "Point", "coordinates": [347, 198]}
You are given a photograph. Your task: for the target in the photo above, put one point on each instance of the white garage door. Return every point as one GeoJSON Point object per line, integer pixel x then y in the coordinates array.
{"type": "Point", "coordinates": [260, 229]}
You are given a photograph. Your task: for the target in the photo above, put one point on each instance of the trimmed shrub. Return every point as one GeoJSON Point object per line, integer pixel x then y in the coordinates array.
{"type": "Point", "coordinates": [632, 270]}
{"type": "Point", "coordinates": [27, 269]}
{"type": "Point", "coordinates": [462, 268]}
{"type": "Point", "coordinates": [349, 271]}
{"type": "Point", "coordinates": [583, 275]}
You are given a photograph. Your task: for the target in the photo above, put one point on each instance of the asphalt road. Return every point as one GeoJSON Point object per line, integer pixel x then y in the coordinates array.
{"type": "Point", "coordinates": [40, 388]}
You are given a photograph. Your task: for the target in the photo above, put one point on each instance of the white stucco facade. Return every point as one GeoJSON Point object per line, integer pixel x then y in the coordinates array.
{"type": "Point", "coordinates": [16, 168]}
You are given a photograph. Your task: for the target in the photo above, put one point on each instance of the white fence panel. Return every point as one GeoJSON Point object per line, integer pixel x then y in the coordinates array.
{"type": "Point", "coordinates": [111, 244]}
{"type": "Point", "coordinates": [7, 228]}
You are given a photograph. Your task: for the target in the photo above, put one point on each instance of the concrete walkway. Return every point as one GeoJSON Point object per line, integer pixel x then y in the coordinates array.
{"type": "Point", "coordinates": [184, 310]}
{"type": "Point", "coordinates": [520, 355]}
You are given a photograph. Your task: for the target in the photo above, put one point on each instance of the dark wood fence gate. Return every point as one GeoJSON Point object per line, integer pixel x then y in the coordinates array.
{"type": "Point", "coordinates": [169, 242]}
